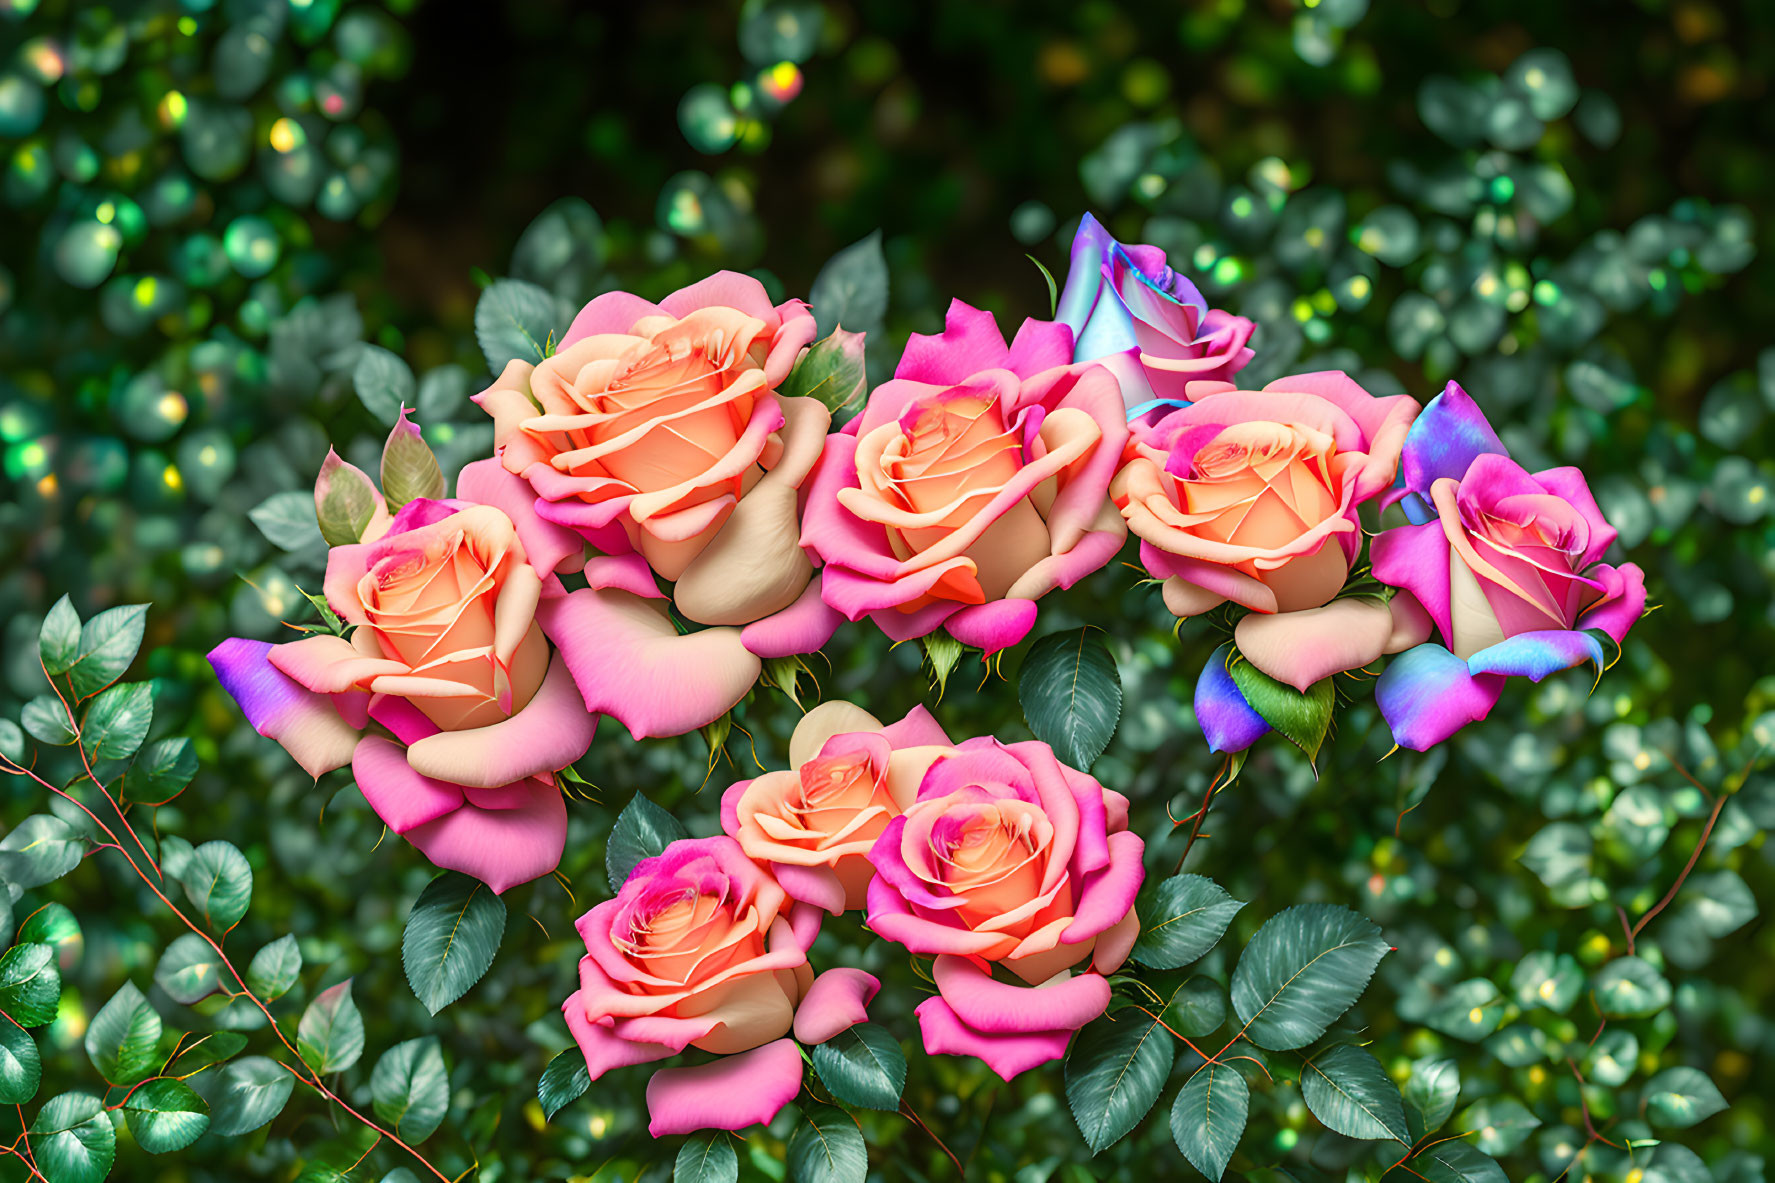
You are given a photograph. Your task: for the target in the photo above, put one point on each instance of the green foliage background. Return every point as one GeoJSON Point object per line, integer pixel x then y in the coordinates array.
{"type": "Point", "coordinates": [225, 222]}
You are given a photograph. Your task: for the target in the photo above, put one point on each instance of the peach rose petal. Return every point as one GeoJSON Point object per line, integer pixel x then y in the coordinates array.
{"type": "Point", "coordinates": [730, 1094]}
{"type": "Point", "coordinates": [819, 725]}
{"type": "Point", "coordinates": [278, 707]}
{"type": "Point", "coordinates": [630, 662]}
{"type": "Point", "coordinates": [327, 664]}
{"type": "Point", "coordinates": [1115, 943]}
{"type": "Point", "coordinates": [1302, 648]}
{"type": "Point", "coordinates": [549, 733]}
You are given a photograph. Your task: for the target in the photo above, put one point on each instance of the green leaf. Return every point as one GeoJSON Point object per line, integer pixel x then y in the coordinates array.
{"type": "Point", "coordinates": [452, 934]}
{"type": "Point", "coordinates": [117, 721]}
{"type": "Point", "coordinates": [124, 1037]}
{"type": "Point", "coordinates": [1302, 719]}
{"type": "Point", "coordinates": [384, 382]}
{"type": "Point", "coordinates": [108, 643]}
{"type": "Point", "coordinates": [189, 970]}
{"type": "Point", "coordinates": [47, 720]}
{"type": "Point", "coordinates": [1181, 920]}
{"type": "Point", "coordinates": [1349, 1092]}
{"type": "Point", "coordinates": [827, 1147]}
{"type": "Point", "coordinates": [30, 984]}
{"type": "Point", "coordinates": [411, 1088]}
{"type": "Point", "coordinates": [1114, 1073]}
{"type": "Point", "coordinates": [862, 1065]}
{"type": "Point", "coordinates": [1208, 1118]}
{"type": "Point", "coordinates": [1053, 288]}
{"type": "Point", "coordinates": [565, 240]}
{"type": "Point", "coordinates": [21, 1065]}
{"type": "Point", "coordinates": [1542, 979]}
{"type": "Point", "coordinates": [58, 641]}
{"type": "Point", "coordinates": [39, 850]}
{"type": "Point", "coordinates": [831, 371]}
{"type": "Point", "coordinates": [1629, 988]}
{"type": "Point", "coordinates": [563, 1082]}
{"type": "Point", "coordinates": [73, 1139]}
{"type": "Point", "coordinates": [345, 500]}
{"type": "Point", "coordinates": [706, 1157]}
{"type": "Point", "coordinates": [1455, 1162]}
{"type": "Point", "coordinates": [1720, 901]}
{"type": "Point", "coordinates": [12, 741]}
{"type": "Point", "coordinates": [1430, 1094]}
{"type": "Point", "coordinates": [852, 287]}
{"type": "Point", "coordinates": [1471, 1010]}
{"type": "Point", "coordinates": [206, 1052]}
{"type": "Point", "coordinates": [443, 393]}
{"type": "Point", "coordinates": [1197, 1008]}
{"type": "Point", "coordinates": [1559, 854]}
{"type": "Point", "coordinates": [409, 469]}
{"type": "Point", "coordinates": [219, 882]}
{"type": "Point", "coordinates": [166, 1115]}
{"type": "Point", "coordinates": [1680, 1097]}
{"type": "Point", "coordinates": [52, 925]}
{"type": "Point", "coordinates": [1071, 694]}
{"type": "Point", "coordinates": [943, 652]}
{"type": "Point", "coordinates": [160, 772]}
{"type": "Point", "coordinates": [274, 968]}
{"type": "Point", "coordinates": [515, 320]}
{"type": "Point", "coordinates": [250, 1092]}
{"type": "Point", "coordinates": [1502, 1123]}
{"type": "Point", "coordinates": [288, 522]}
{"type": "Point", "coordinates": [1305, 967]}
{"type": "Point", "coordinates": [642, 830]}
{"type": "Point", "coordinates": [331, 1033]}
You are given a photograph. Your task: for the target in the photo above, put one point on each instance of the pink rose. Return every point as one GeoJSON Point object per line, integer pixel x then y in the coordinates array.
{"type": "Point", "coordinates": [1009, 859]}
{"type": "Point", "coordinates": [447, 699]}
{"type": "Point", "coordinates": [813, 824]}
{"type": "Point", "coordinates": [701, 948]}
{"type": "Point", "coordinates": [1253, 497]}
{"type": "Point", "coordinates": [656, 432]}
{"type": "Point", "coordinates": [972, 484]}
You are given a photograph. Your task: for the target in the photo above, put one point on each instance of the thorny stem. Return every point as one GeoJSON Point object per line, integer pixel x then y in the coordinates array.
{"type": "Point", "coordinates": [313, 1080]}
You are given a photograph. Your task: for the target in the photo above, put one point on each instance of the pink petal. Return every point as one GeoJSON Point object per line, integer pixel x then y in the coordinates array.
{"type": "Point", "coordinates": [1108, 895]}
{"type": "Point", "coordinates": [1008, 1055]}
{"type": "Point", "coordinates": [999, 1008]}
{"type": "Point", "coordinates": [1039, 345]}
{"type": "Point", "coordinates": [630, 663]}
{"type": "Point", "coordinates": [994, 626]}
{"type": "Point", "coordinates": [401, 797]}
{"type": "Point", "coordinates": [552, 731]}
{"type": "Point", "coordinates": [612, 312]}
{"type": "Point", "coordinates": [802, 627]}
{"type": "Point", "coordinates": [917, 729]}
{"type": "Point", "coordinates": [547, 546]}
{"type": "Point", "coordinates": [724, 289]}
{"type": "Point", "coordinates": [819, 886]}
{"type": "Point", "coordinates": [732, 1093]}
{"type": "Point", "coordinates": [500, 847]}
{"type": "Point", "coordinates": [604, 1050]}
{"type": "Point", "coordinates": [1301, 648]}
{"type": "Point", "coordinates": [279, 708]}
{"type": "Point", "coordinates": [837, 1001]}
{"type": "Point", "coordinates": [970, 342]}
{"type": "Point", "coordinates": [1624, 602]}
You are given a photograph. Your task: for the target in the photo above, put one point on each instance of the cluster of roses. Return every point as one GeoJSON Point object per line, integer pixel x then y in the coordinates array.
{"type": "Point", "coordinates": [654, 463]}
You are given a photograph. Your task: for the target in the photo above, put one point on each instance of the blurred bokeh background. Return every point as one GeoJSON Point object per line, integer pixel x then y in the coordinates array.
{"type": "Point", "coordinates": [238, 231]}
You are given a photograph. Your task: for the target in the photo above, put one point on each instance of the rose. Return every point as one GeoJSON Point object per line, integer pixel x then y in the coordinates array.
{"type": "Point", "coordinates": [813, 824]}
{"type": "Point", "coordinates": [447, 661]}
{"type": "Point", "coordinates": [656, 432]}
{"type": "Point", "coordinates": [1007, 857]}
{"type": "Point", "coordinates": [701, 948]}
{"type": "Point", "coordinates": [1252, 496]}
{"type": "Point", "coordinates": [1129, 311]}
{"type": "Point", "coordinates": [973, 483]}
{"type": "Point", "coordinates": [1504, 561]}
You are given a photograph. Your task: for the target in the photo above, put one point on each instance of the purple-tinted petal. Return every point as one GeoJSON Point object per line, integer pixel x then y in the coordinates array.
{"type": "Point", "coordinates": [1427, 694]}
{"type": "Point", "coordinates": [1450, 433]}
{"type": "Point", "coordinates": [837, 1001]}
{"type": "Point", "coordinates": [279, 708]}
{"type": "Point", "coordinates": [1537, 654]}
{"type": "Point", "coordinates": [1228, 723]}
{"type": "Point", "coordinates": [1091, 244]}
{"type": "Point", "coordinates": [732, 1093]}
